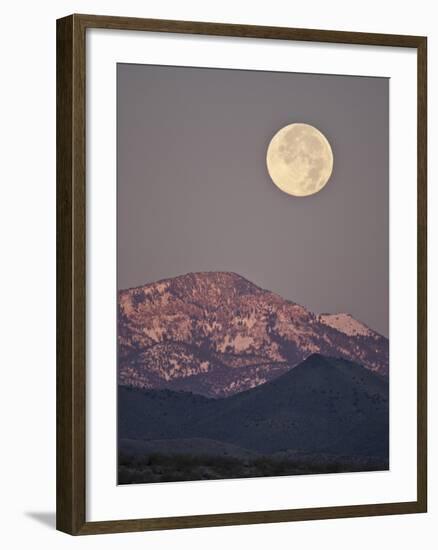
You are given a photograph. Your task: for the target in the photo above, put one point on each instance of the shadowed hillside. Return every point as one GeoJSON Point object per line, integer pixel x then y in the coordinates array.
{"type": "Point", "coordinates": [324, 415]}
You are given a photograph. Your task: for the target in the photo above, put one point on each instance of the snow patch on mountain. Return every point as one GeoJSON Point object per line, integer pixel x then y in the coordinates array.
{"type": "Point", "coordinates": [345, 323]}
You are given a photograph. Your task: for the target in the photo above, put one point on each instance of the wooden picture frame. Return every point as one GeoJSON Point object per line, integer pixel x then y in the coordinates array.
{"type": "Point", "coordinates": [71, 272]}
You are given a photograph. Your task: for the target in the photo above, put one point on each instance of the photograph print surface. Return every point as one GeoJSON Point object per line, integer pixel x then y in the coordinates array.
{"type": "Point", "coordinates": [253, 273]}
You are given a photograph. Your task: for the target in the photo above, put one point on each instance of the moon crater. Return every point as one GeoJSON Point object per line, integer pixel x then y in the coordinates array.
{"type": "Point", "coordinates": [299, 159]}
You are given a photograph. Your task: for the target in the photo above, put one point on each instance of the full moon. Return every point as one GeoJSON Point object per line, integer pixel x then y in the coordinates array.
{"type": "Point", "coordinates": [299, 159]}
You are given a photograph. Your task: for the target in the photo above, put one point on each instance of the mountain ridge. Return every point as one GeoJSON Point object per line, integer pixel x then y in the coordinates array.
{"type": "Point", "coordinates": [220, 334]}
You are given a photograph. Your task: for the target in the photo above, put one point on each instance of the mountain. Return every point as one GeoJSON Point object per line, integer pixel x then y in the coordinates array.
{"type": "Point", "coordinates": [218, 334]}
{"type": "Point", "coordinates": [331, 407]}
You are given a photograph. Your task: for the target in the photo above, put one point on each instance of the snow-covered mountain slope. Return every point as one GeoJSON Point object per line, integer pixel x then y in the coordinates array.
{"type": "Point", "coordinates": [216, 334]}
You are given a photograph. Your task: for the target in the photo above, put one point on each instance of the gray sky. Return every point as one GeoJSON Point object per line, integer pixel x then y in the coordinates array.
{"type": "Point", "coordinates": [194, 193]}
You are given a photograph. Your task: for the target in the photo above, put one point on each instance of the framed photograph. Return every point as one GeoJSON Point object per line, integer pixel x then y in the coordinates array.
{"type": "Point", "coordinates": [241, 274]}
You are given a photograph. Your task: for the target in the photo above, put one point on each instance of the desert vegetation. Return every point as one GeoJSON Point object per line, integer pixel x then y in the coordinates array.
{"type": "Point", "coordinates": [160, 467]}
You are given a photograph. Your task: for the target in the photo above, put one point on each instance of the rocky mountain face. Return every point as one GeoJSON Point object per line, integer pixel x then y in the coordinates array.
{"type": "Point", "coordinates": [217, 334]}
